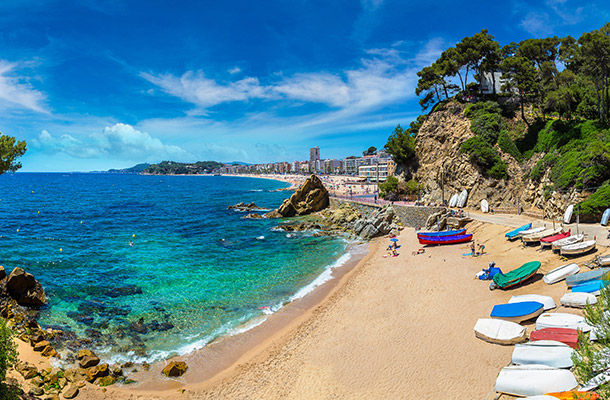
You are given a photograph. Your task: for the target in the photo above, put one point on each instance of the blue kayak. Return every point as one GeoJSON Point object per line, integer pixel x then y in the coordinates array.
{"type": "Point", "coordinates": [513, 234]}
{"type": "Point", "coordinates": [585, 277]}
{"type": "Point", "coordinates": [517, 312]}
{"type": "Point", "coordinates": [441, 233]}
{"type": "Point", "coordinates": [589, 287]}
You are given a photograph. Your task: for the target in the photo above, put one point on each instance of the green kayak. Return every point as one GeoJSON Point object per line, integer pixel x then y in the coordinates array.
{"type": "Point", "coordinates": [515, 276]}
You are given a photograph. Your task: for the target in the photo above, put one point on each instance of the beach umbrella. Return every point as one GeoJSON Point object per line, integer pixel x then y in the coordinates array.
{"type": "Point", "coordinates": [393, 240]}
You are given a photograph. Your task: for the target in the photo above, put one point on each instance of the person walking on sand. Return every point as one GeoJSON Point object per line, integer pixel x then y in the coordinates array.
{"type": "Point", "coordinates": [472, 248]}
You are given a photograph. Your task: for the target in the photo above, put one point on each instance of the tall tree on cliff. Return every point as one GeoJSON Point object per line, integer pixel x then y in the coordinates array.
{"type": "Point", "coordinates": [10, 151]}
{"type": "Point", "coordinates": [521, 77]}
{"type": "Point", "coordinates": [477, 52]}
{"type": "Point", "coordinates": [401, 145]}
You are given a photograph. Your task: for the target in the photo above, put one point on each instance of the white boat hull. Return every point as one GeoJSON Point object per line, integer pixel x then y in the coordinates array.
{"type": "Point", "coordinates": [534, 380]}
{"type": "Point", "coordinates": [562, 320]}
{"type": "Point", "coordinates": [560, 273]}
{"type": "Point", "coordinates": [577, 248]}
{"type": "Point", "coordinates": [547, 302]}
{"type": "Point", "coordinates": [578, 299]}
{"type": "Point", "coordinates": [530, 231]}
{"type": "Point", "coordinates": [556, 245]}
{"type": "Point", "coordinates": [499, 331]}
{"type": "Point", "coordinates": [535, 237]}
{"type": "Point", "coordinates": [544, 352]}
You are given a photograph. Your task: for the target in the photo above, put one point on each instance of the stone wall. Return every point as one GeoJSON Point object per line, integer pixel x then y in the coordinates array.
{"type": "Point", "coordinates": [409, 215]}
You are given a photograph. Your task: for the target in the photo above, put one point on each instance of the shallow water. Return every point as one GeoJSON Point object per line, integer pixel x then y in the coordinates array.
{"type": "Point", "coordinates": [193, 271]}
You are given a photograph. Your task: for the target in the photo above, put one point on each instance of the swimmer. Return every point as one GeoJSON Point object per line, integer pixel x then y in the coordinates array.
{"type": "Point", "coordinates": [131, 242]}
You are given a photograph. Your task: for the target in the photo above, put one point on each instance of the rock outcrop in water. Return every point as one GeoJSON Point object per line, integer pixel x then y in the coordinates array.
{"type": "Point", "coordinates": [23, 288]}
{"type": "Point", "coordinates": [310, 197]}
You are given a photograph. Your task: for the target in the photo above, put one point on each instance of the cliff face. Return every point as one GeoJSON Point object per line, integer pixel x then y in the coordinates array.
{"type": "Point", "coordinates": [442, 165]}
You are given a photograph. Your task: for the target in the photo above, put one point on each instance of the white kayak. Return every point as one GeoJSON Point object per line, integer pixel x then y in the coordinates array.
{"type": "Point", "coordinates": [577, 299]}
{"type": "Point", "coordinates": [534, 380]}
{"type": "Point", "coordinates": [531, 231]}
{"type": "Point", "coordinates": [499, 331]}
{"type": "Point", "coordinates": [567, 216]}
{"type": "Point", "coordinates": [544, 352]}
{"type": "Point", "coordinates": [560, 273]}
{"type": "Point", "coordinates": [547, 302]}
{"type": "Point", "coordinates": [556, 245]}
{"type": "Point", "coordinates": [577, 248]}
{"type": "Point", "coordinates": [453, 200]}
{"type": "Point", "coordinates": [562, 320]}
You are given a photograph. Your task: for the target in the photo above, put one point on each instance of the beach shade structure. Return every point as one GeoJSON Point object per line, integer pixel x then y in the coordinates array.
{"type": "Point", "coordinates": [516, 276]}
{"type": "Point", "coordinates": [442, 233]}
{"type": "Point", "coordinates": [445, 239]}
{"type": "Point", "coordinates": [513, 234]}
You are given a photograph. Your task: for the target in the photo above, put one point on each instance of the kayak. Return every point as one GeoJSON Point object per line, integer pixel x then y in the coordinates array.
{"type": "Point", "coordinates": [513, 234]}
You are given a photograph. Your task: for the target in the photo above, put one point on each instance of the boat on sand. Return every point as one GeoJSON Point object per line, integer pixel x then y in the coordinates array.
{"type": "Point", "coordinates": [515, 276]}
{"type": "Point", "coordinates": [556, 245]}
{"type": "Point", "coordinates": [513, 234]}
{"type": "Point", "coordinates": [577, 248]}
{"type": "Point", "coordinates": [568, 336]}
{"type": "Point", "coordinates": [499, 331]}
{"type": "Point", "coordinates": [543, 352]}
{"type": "Point", "coordinates": [560, 273]}
{"type": "Point", "coordinates": [533, 380]}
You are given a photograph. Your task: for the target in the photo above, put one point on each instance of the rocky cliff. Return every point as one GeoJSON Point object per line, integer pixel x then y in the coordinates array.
{"type": "Point", "coordinates": [445, 171]}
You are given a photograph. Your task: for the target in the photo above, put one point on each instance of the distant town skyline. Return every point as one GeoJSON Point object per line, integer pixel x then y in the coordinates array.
{"type": "Point", "coordinates": [100, 84]}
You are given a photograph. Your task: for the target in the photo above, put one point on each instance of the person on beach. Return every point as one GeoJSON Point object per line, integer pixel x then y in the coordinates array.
{"type": "Point", "coordinates": [481, 249]}
{"type": "Point", "coordinates": [472, 248]}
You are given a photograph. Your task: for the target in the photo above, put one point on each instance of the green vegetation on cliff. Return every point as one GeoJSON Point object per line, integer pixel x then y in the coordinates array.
{"type": "Point", "coordinates": [547, 97]}
{"type": "Point", "coordinates": [177, 168]}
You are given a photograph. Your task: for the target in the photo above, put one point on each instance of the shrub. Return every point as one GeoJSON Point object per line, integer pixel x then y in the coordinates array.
{"type": "Point", "coordinates": [8, 359]}
{"type": "Point", "coordinates": [389, 186]}
{"type": "Point", "coordinates": [594, 206]}
{"type": "Point", "coordinates": [486, 157]}
{"type": "Point", "coordinates": [508, 146]}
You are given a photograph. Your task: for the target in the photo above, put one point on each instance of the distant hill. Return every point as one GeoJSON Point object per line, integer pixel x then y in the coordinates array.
{"type": "Point", "coordinates": [136, 169]}
{"type": "Point", "coordinates": [178, 168]}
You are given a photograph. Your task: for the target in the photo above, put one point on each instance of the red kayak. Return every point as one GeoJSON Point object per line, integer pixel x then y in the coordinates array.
{"type": "Point", "coordinates": [564, 335]}
{"type": "Point", "coordinates": [445, 239]}
{"type": "Point", "coordinates": [551, 239]}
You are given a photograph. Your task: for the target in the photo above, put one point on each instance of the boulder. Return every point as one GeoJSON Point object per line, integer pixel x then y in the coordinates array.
{"type": "Point", "coordinates": [98, 371]}
{"type": "Point", "coordinates": [253, 216]}
{"type": "Point", "coordinates": [41, 345]}
{"type": "Point", "coordinates": [75, 375]}
{"type": "Point", "coordinates": [27, 370]}
{"type": "Point", "coordinates": [84, 353]}
{"type": "Point", "coordinates": [2, 273]}
{"type": "Point", "coordinates": [49, 351]}
{"type": "Point", "coordinates": [88, 361]}
{"type": "Point", "coordinates": [175, 368]}
{"type": "Point", "coordinates": [310, 197]}
{"type": "Point", "coordinates": [71, 392]}
{"type": "Point", "coordinates": [25, 289]}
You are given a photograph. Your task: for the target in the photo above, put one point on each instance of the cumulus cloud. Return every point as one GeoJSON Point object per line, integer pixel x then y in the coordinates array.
{"type": "Point", "coordinates": [120, 141]}
{"type": "Point", "coordinates": [16, 93]}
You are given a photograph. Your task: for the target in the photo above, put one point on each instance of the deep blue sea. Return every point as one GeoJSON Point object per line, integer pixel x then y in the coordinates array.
{"type": "Point", "coordinates": [193, 271]}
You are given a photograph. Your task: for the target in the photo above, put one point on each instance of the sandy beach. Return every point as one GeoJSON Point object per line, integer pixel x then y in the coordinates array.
{"type": "Point", "coordinates": [398, 327]}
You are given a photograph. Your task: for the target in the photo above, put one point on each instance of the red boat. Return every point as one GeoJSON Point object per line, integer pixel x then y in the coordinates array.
{"type": "Point", "coordinates": [564, 335]}
{"type": "Point", "coordinates": [445, 239]}
{"type": "Point", "coordinates": [551, 239]}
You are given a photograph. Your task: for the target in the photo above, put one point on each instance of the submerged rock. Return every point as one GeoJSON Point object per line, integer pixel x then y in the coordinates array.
{"type": "Point", "coordinates": [253, 216]}
{"type": "Point", "coordinates": [175, 368]}
{"type": "Point", "coordinates": [241, 206]}
{"type": "Point", "coordinates": [124, 291]}
{"type": "Point", "coordinates": [310, 197]}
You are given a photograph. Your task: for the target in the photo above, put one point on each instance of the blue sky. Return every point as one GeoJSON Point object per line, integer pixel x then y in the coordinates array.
{"type": "Point", "coordinates": [92, 85]}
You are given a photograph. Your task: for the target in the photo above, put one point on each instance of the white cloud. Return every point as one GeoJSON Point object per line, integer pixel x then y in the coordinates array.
{"type": "Point", "coordinates": [234, 70]}
{"type": "Point", "coordinates": [120, 141]}
{"type": "Point", "coordinates": [382, 78]}
{"type": "Point", "coordinates": [195, 88]}
{"type": "Point", "coordinates": [14, 92]}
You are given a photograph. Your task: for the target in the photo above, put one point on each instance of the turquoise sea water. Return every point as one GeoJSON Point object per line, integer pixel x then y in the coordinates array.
{"type": "Point", "coordinates": [195, 270]}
